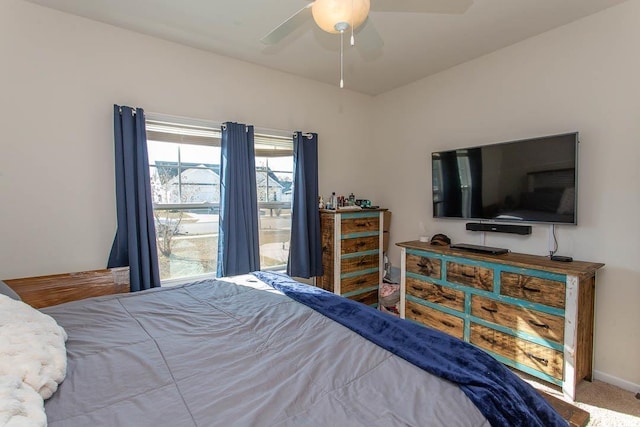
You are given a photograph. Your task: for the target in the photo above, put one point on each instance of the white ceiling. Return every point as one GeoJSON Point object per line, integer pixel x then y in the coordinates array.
{"type": "Point", "coordinates": [415, 44]}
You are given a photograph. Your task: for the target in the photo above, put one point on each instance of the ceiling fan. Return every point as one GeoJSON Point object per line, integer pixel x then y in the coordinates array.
{"type": "Point", "coordinates": [339, 16]}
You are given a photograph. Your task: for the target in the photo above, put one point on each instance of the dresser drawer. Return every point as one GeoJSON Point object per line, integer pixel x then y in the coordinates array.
{"type": "Point", "coordinates": [361, 244]}
{"type": "Point", "coordinates": [358, 263]}
{"type": "Point", "coordinates": [368, 298]}
{"type": "Point", "coordinates": [470, 275]}
{"type": "Point", "coordinates": [359, 282]}
{"type": "Point", "coordinates": [436, 294]}
{"type": "Point", "coordinates": [444, 322]}
{"type": "Point", "coordinates": [359, 224]}
{"type": "Point", "coordinates": [424, 266]}
{"type": "Point", "coordinates": [534, 289]}
{"type": "Point", "coordinates": [546, 326]}
{"type": "Point", "coordinates": [534, 356]}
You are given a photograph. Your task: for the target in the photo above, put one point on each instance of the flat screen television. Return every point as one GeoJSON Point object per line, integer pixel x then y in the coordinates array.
{"type": "Point", "coordinates": [531, 181]}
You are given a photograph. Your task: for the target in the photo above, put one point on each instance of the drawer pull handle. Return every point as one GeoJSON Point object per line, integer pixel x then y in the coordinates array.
{"type": "Point", "coordinates": [418, 288]}
{"type": "Point", "coordinates": [361, 224]}
{"type": "Point", "coordinates": [539, 325]}
{"type": "Point", "coordinates": [360, 244]}
{"type": "Point", "coordinates": [361, 282]}
{"type": "Point", "coordinates": [447, 296]}
{"type": "Point", "coordinates": [447, 324]}
{"type": "Point", "coordinates": [421, 265]}
{"type": "Point", "coordinates": [467, 274]}
{"type": "Point", "coordinates": [542, 360]}
{"type": "Point", "coordinates": [525, 288]}
{"type": "Point", "coordinates": [490, 310]}
{"type": "Point", "coordinates": [489, 340]}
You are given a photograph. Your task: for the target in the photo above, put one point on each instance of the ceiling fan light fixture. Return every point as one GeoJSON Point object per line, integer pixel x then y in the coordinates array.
{"type": "Point", "coordinates": [328, 13]}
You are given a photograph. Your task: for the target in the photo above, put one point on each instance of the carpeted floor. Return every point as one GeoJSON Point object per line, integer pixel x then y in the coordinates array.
{"type": "Point", "coordinates": [608, 405]}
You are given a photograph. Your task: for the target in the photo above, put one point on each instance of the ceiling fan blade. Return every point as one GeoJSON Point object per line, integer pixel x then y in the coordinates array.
{"type": "Point", "coordinates": [288, 26]}
{"type": "Point", "coordinates": [421, 6]}
{"type": "Point", "coordinates": [368, 39]}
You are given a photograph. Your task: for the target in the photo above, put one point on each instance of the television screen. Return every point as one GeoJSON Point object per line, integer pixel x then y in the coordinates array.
{"type": "Point", "coordinates": [533, 180]}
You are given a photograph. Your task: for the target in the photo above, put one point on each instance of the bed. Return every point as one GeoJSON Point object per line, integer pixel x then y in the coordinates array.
{"type": "Point", "coordinates": [265, 350]}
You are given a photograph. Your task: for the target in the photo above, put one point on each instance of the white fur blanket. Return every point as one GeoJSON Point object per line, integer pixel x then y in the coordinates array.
{"type": "Point", "coordinates": [20, 405]}
{"type": "Point", "coordinates": [33, 361]}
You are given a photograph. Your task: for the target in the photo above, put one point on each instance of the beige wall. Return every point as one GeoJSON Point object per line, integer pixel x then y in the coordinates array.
{"type": "Point", "coordinates": [584, 77]}
{"type": "Point", "coordinates": [59, 78]}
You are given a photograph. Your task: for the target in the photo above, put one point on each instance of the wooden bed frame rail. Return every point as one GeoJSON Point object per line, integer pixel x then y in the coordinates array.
{"type": "Point", "coordinates": [44, 291]}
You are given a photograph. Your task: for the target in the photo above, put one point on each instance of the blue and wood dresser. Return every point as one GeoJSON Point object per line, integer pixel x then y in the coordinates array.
{"type": "Point", "coordinates": [531, 313]}
{"type": "Point", "coordinates": [352, 257]}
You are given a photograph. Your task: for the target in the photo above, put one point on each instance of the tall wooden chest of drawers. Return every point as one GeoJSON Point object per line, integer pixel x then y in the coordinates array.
{"type": "Point", "coordinates": [531, 313]}
{"type": "Point", "coordinates": [352, 255]}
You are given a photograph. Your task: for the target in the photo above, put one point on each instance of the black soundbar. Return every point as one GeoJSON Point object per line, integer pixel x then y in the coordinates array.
{"type": "Point", "coordinates": [499, 228]}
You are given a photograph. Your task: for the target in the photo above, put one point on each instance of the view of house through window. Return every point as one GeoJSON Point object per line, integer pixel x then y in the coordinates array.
{"type": "Point", "coordinates": [184, 162]}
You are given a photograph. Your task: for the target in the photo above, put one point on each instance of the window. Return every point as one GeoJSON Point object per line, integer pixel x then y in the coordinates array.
{"type": "Point", "coordinates": [184, 162]}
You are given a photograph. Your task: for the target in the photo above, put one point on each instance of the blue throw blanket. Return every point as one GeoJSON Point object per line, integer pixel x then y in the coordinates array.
{"type": "Point", "coordinates": [502, 397]}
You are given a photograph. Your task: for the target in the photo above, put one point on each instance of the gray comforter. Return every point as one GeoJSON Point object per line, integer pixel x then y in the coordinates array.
{"type": "Point", "coordinates": [214, 353]}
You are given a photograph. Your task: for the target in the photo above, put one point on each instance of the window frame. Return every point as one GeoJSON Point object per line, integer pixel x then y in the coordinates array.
{"type": "Point", "coordinates": [189, 131]}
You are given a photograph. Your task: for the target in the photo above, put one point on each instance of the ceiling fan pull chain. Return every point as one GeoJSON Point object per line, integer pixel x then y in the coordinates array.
{"type": "Point", "coordinates": [341, 58]}
{"type": "Point", "coordinates": [341, 26]}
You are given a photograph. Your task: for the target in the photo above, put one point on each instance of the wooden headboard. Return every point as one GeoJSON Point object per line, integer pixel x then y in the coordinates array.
{"type": "Point", "coordinates": [43, 291]}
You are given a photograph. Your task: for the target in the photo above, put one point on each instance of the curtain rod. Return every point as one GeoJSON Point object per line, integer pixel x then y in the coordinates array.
{"type": "Point", "coordinates": [309, 135]}
{"type": "Point", "coordinates": [214, 124]}
{"type": "Point", "coordinates": [133, 109]}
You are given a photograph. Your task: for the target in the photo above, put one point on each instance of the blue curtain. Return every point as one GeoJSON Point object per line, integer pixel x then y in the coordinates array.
{"type": "Point", "coordinates": [238, 246]}
{"type": "Point", "coordinates": [305, 250]}
{"type": "Point", "coordinates": [135, 241]}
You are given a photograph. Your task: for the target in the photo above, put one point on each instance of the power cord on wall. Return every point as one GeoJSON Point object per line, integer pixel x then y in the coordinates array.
{"type": "Point", "coordinates": [555, 241]}
{"type": "Point", "coordinates": [552, 252]}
